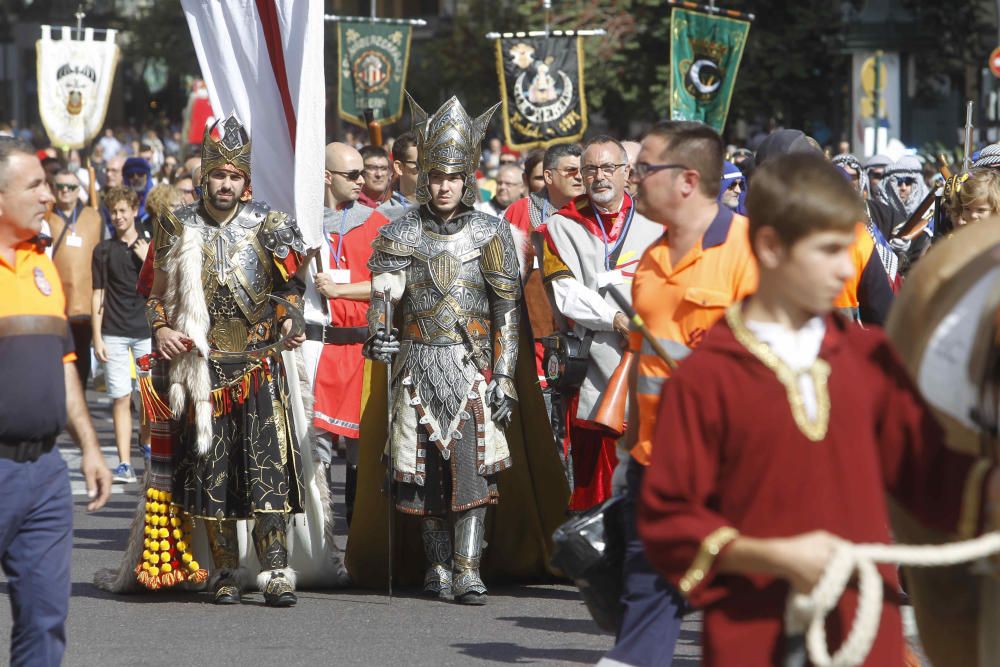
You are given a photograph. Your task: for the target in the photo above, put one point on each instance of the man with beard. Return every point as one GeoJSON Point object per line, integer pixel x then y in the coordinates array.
{"type": "Point", "coordinates": [217, 263]}
{"type": "Point", "coordinates": [593, 244]}
{"type": "Point", "coordinates": [345, 281]}
{"type": "Point", "coordinates": [452, 272]}
{"type": "Point", "coordinates": [903, 189]}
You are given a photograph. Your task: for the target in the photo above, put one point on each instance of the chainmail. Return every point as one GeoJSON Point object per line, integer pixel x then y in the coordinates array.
{"type": "Point", "coordinates": [222, 306]}
{"type": "Point", "coordinates": [442, 376]}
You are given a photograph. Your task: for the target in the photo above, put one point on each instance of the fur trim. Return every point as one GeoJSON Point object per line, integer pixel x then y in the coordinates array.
{"type": "Point", "coordinates": [523, 244]}
{"type": "Point", "coordinates": [184, 300]}
{"type": "Point", "coordinates": [244, 579]}
{"type": "Point", "coordinates": [265, 576]}
{"type": "Point", "coordinates": [123, 579]}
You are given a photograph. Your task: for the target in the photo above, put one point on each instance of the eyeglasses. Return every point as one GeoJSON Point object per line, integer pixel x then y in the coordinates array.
{"type": "Point", "coordinates": [735, 185]}
{"type": "Point", "coordinates": [352, 175]}
{"type": "Point", "coordinates": [376, 170]}
{"type": "Point", "coordinates": [644, 169]}
{"type": "Point", "coordinates": [67, 186]}
{"type": "Point", "coordinates": [590, 171]}
{"type": "Point", "coordinates": [905, 180]}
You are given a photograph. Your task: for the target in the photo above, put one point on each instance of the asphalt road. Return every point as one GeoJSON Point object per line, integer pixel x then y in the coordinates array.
{"type": "Point", "coordinates": [521, 625]}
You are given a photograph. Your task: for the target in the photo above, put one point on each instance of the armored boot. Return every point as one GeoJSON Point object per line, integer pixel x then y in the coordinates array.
{"type": "Point", "coordinates": [466, 582]}
{"type": "Point", "coordinates": [437, 549]}
{"type": "Point", "coordinates": [226, 558]}
{"type": "Point", "coordinates": [276, 580]}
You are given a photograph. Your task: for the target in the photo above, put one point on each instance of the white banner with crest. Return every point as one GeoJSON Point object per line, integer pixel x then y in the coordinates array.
{"type": "Point", "coordinates": [74, 84]}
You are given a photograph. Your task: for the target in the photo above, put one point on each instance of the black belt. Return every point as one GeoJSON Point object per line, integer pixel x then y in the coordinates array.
{"type": "Point", "coordinates": [336, 335]}
{"type": "Point", "coordinates": [27, 450]}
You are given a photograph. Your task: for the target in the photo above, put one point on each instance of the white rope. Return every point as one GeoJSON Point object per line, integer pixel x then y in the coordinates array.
{"type": "Point", "coordinates": [807, 613]}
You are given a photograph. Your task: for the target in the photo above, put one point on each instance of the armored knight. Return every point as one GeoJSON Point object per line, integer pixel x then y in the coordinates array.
{"type": "Point", "coordinates": [219, 264]}
{"type": "Point", "coordinates": [451, 276]}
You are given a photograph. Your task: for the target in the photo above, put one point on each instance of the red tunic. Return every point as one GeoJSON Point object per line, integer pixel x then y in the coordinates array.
{"type": "Point", "coordinates": [727, 452]}
{"type": "Point", "coordinates": [340, 374]}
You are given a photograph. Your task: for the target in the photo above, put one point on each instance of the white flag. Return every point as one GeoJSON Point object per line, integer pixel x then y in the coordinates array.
{"type": "Point", "coordinates": [263, 60]}
{"type": "Point", "coordinates": [74, 84]}
{"type": "Point", "coordinates": [241, 50]}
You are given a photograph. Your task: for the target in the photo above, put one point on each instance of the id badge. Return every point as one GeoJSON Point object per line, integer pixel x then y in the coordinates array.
{"type": "Point", "coordinates": [340, 276]}
{"type": "Point", "coordinates": [74, 241]}
{"type": "Point", "coordinates": [609, 278]}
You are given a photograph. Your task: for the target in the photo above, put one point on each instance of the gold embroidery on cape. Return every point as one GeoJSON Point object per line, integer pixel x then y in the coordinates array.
{"type": "Point", "coordinates": [819, 373]}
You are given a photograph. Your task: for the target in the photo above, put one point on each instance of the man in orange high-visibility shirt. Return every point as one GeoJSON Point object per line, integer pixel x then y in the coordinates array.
{"type": "Point", "coordinates": [40, 395]}
{"type": "Point", "coordinates": [683, 284]}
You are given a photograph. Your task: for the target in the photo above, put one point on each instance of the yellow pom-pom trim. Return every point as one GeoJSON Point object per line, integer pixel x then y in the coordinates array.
{"type": "Point", "coordinates": [193, 566]}
{"type": "Point", "coordinates": [154, 571]}
{"type": "Point", "coordinates": [166, 567]}
{"type": "Point", "coordinates": [146, 554]}
{"type": "Point", "coordinates": [154, 558]}
{"type": "Point", "coordinates": [186, 557]}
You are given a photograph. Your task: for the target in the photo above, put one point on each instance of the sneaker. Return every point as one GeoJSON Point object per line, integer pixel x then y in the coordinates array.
{"type": "Point", "coordinates": [124, 474]}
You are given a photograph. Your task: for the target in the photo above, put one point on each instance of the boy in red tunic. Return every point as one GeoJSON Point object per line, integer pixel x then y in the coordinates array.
{"type": "Point", "coordinates": [785, 430]}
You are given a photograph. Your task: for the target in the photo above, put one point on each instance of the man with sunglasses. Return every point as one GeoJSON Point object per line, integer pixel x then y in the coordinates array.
{"type": "Point", "coordinates": [592, 245]}
{"type": "Point", "coordinates": [682, 286]}
{"type": "Point", "coordinates": [76, 230]}
{"type": "Point", "coordinates": [904, 189]}
{"type": "Point", "coordinates": [332, 350]}
{"type": "Point", "coordinates": [734, 187]}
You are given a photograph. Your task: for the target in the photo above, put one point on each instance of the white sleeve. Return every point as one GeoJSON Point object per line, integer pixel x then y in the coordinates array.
{"type": "Point", "coordinates": [583, 305]}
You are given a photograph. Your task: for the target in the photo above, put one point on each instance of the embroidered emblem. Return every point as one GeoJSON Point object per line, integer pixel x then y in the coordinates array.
{"type": "Point", "coordinates": [42, 283]}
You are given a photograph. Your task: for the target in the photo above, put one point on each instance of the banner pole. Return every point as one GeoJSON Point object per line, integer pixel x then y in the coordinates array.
{"type": "Point", "coordinates": [711, 9]}
{"type": "Point", "coordinates": [80, 15]}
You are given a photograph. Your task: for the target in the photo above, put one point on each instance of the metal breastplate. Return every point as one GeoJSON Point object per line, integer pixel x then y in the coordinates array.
{"type": "Point", "coordinates": [236, 259]}
{"type": "Point", "coordinates": [445, 291]}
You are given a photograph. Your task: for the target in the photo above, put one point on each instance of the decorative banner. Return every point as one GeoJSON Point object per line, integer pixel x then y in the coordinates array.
{"type": "Point", "coordinates": [705, 54]}
{"type": "Point", "coordinates": [373, 60]}
{"type": "Point", "coordinates": [74, 84]}
{"type": "Point", "coordinates": [541, 83]}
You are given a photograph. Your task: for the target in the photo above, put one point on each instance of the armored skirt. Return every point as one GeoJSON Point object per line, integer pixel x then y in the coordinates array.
{"type": "Point", "coordinates": [253, 463]}
{"type": "Point", "coordinates": [441, 408]}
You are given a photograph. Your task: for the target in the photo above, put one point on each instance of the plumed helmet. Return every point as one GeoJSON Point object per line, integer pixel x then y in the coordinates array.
{"type": "Point", "coordinates": [233, 147]}
{"type": "Point", "coordinates": [449, 142]}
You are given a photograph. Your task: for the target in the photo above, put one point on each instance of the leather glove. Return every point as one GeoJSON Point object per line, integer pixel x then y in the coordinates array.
{"type": "Point", "coordinates": [383, 346]}
{"type": "Point", "coordinates": [501, 405]}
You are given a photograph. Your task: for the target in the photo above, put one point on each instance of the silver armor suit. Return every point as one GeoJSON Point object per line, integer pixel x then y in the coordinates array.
{"type": "Point", "coordinates": [455, 287]}
{"type": "Point", "coordinates": [459, 305]}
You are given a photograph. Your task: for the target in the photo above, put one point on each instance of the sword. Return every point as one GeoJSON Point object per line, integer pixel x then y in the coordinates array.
{"type": "Point", "coordinates": [298, 328]}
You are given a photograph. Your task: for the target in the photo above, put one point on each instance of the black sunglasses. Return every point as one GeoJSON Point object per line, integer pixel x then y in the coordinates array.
{"type": "Point", "coordinates": [351, 175]}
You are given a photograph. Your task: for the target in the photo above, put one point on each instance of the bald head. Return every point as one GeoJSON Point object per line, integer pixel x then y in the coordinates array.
{"type": "Point", "coordinates": [343, 162]}
{"type": "Point", "coordinates": [341, 157]}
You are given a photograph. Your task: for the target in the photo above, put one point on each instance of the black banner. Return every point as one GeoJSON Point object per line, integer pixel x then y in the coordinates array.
{"type": "Point", "coordinates": [541, 83]}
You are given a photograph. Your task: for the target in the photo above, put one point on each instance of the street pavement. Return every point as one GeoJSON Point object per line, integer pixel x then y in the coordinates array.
{"type": "Point", "coordinates": [521, 625]}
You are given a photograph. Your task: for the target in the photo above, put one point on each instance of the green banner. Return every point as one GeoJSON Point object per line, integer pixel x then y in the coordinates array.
{"type": "Point", "coordinates": [373, 58]}
{"type": "Point", "coordinates": [705, 54]}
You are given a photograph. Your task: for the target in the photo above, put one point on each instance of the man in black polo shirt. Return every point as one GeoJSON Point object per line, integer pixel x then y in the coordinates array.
{"type": "Point", "coordinates": [40, 394]}
{"type": "Point", "coordinates": [118, 319]}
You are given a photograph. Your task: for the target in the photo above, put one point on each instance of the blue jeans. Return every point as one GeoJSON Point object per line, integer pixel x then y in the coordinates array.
{"type": "Point", "coordinates": [654, 610]}
{"type": "Point", "coordinates": [36, 538]}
